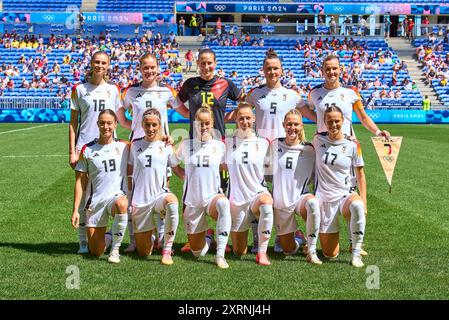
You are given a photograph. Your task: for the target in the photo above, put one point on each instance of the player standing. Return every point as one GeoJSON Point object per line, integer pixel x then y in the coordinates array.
{"type": "Point", "coordinates": [88, 99]}
{"type": "Point", "coordinates": [248, 194]}
{"type": "Point", "coordinates": [332, 93]}
{"type": "Point", "coordinates": [102, 164]}
{"type": "Point", "coordinates": [147, 170]}
{"type": "Point", "coordinates": [336, 157]}
{"type": "Point", "coordinates": [293, 162]}
{"type": "Point", "coordinates": [136, 99]}
{"type": "Point", "coordinates": [202, 157]}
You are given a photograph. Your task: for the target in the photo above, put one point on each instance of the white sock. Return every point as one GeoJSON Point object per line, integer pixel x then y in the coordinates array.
{"type": "Point", "coordinates": [312, 223]}
{"type": "Point", "coordinates": [223, 225]}
{"type": "Point", "coordinates": [357, 225]}
{"type": "Point", "coordinates": [82, 233]}
{"type": "Point", "coordinates": [132, 240]}
{"type": "Point", "coordinates": [172, 218]}
{"type": "Point", "coordinates": [265, 226]}
{"type": "Point", "coordinates": [160, 228]}
{"type": "Point", "coordinates": [118, 230]}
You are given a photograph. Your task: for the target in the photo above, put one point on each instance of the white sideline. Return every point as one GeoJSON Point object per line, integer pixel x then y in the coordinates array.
{"type": "Point", "coordinates": [16, 130]}
{"type": "Point", "coordinates": [36, 156]}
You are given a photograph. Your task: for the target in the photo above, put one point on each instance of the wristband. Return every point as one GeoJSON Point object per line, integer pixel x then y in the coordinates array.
{"type": "Point", "coordinates": [377, 132]}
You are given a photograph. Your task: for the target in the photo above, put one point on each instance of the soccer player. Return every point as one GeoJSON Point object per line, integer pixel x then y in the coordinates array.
{"type": "Point", "coordinates": [336, 157]}
{"type": "Point", "coordinates": [147, 172]}
{"type": "Point", "coordinates": [293, 162]}
{"type": "Point", "coordinates": [272, 101]}
{"type": "Point", "coordinates": [332, 93]}
{"type": "Point", "coordinates": [136, 99]}
{"type": "Point", "coordinates": [208, 89]}
{"type": "Point", "coordinates": [245, 160]}
{"type": "Point", "coordinates": [102, 164]}
{"type": "Point", "coordinates": [202, 157]}
{"type": "Point", "coordinates": [88, 99]}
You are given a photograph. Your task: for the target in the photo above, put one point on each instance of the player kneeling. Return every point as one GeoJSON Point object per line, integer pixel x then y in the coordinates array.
{"type": "Point", "coordinates": [147, 172]}
{"type": "Point", "coordinates": [203, 157]}
{"type": "Point", "coordinates": [293, 161]}
{"type": "Point", "coordinates": [245, 160]}
{"type": "Point", "coordinates": [336, 156]}
{"type": "Point", "coordinates": [103, 163]}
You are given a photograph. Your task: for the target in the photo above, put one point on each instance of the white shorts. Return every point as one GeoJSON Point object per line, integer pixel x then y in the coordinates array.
{"type": "Point", "coordinates": [143, 217]}
{"type": "Point", "coordinates": [330, 214]}
{"type": "Point", "coordinates": [98, 216]}
{"type": "Point", "coordinates": [195, 217]}
{"type": "Point", "coordinates": [285, 220]}
{"type": "Point", "coordinates": [242, 216]}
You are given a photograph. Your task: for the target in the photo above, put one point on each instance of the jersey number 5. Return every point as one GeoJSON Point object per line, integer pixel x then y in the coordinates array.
{"type": "Point", "coordinates": [207, 97]}
{"type": "Point", "coordinates": [273, 107]}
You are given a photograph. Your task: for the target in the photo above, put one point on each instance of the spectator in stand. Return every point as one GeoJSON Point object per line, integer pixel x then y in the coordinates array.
{"type": "Point", "coordinates": [425, 26]}
{"type": "Point", "coordinates": [189, 60]}
{"type": "Point", "coordinates": [218, 27]}
{"type": "Point", "coordinates": [193, 24]}
{"type": "Point", "coordinates": [200, 21]}
{"type": "Point", "coordinates": [410, 27]}
{"type": "Point", "coordinates": [181, 26]}
{"type": "Point", "coordinates": [333, 26]}
{"type": "Point", "coordinates": [383, 94]}
{"type": "Point", "coordinates": [398, 93]}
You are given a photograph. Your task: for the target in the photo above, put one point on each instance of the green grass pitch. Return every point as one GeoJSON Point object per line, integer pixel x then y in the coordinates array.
{"type": "Point", "coordinates": [406, 236]}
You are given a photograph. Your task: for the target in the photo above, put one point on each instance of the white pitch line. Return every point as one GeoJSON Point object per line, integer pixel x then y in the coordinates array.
{"type": "Point", "coordinates": [16, 130]}
{"type": "Point", "coordinates": [36, 156]}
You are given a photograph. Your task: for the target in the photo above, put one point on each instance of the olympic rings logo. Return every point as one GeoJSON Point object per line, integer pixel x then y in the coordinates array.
{"type": "Point", "coordinates": [388, 158]}
{"type": "Point", "coordinates": [374, 116]}
{"type": "Point", "coordinates": [218, 7]}
{"type": "Point", "coordinates": [48, 18]}
{"type": "Point", "coordinates": [338, 8]}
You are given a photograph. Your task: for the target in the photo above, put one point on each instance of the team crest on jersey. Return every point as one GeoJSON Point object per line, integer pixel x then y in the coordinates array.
{"type": "Point", "coordinates": [161, 150]}
{"type": "Point", "coordinates": [257, 147]}
{"type": "Point", "coordinates": [284, 97]}
{"type": "Point", "coordinates": [109, 93]}
{"type": "Point", "coordinates": [343, 149]}
{"type": "Point", "coordinates": [117, 150]}
{"type": "Point", "coordinates": [159, 95]}
{"type": "Point", "coordinates": [342, 97]}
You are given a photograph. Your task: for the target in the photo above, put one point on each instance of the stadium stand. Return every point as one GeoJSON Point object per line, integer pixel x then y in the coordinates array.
{"type": "Point", "coordinates": [37, 67]}
{"type": "Point", "coordinates": [368, 64]}
{"type": "Point", "coordinates": [135, 6]}
{"type": "Point", "coordinates": [39, 5]}
{"type": "Point", "coordinates": [433, 53]}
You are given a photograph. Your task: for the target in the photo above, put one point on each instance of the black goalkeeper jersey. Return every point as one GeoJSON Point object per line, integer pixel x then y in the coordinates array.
{"type": "Point", "coordinates": [214, 92]}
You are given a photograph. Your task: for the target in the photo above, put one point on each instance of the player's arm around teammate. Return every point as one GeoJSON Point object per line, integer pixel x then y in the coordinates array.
{"type": "Point", "coordinates": [336, 156]}
{"type": "Point", "coordinates": [248, 194]}
{"type": "Point", "coordinates": [147, 164]}
{"type": "Point", "coordinates": [103, 163]}
{"type": "Point", "coordinates": [293, 161]}
{"type": "Point", "coordinates": [202, 157]}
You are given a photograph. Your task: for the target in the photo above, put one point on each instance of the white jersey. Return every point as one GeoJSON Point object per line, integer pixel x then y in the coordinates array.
{"type": "Point", "coordinates": [137, 99]}
{"type": "Point", "coordinates": [106, 168]}
{"type": "Point", "coordinates": [293, 167]}
{"type": "Point", "coordinates": [271, 107]}
{"type": "Point", "coordinates": [202, 170]}
{"type": "Point", "coordinates": [89, 100]}
{"type": "Point", "coordinates": [346, 98]}
{"type": "Point", "coordinates": [335, 161]}
{"type": "Point", "coordinates": [149, 161]}
{"type": "Point", "coordinates": [246, 160]}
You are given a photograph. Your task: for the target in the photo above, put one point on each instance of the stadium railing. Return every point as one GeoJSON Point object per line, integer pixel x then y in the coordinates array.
{"type": "Point", "coordinates": [32, 102]}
